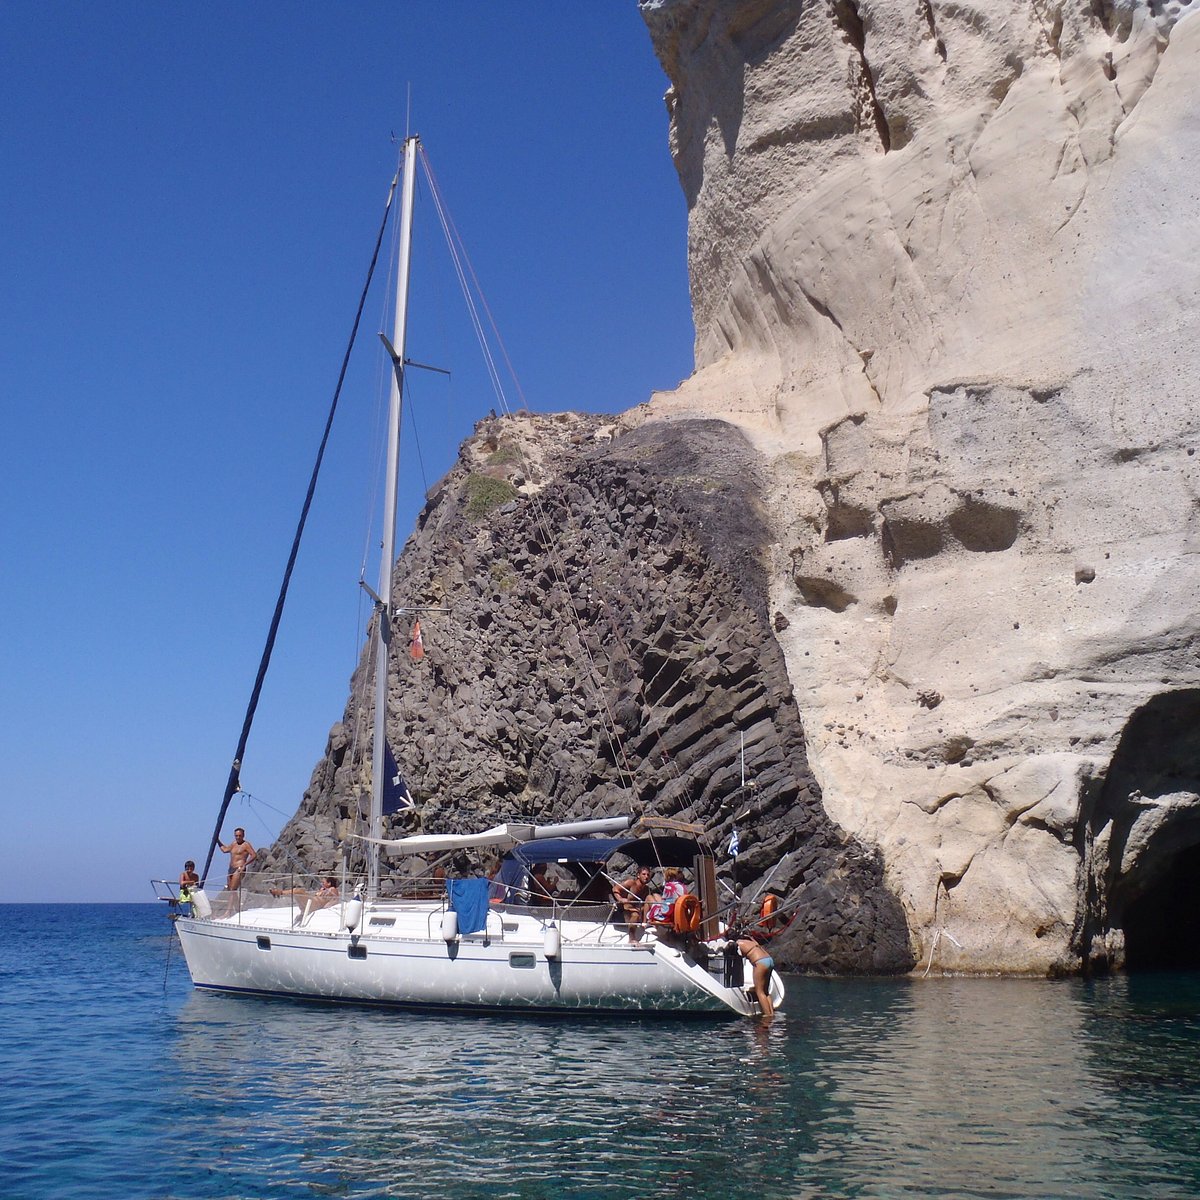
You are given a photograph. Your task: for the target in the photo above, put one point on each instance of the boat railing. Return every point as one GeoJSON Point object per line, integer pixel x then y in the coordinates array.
{"type": "Point", "coordinates": [299, 893]}
{"type": "Point", "coordinates": [413, 887]}
{"type": "Point", "coordinates": [295, 892]}
{"type": "Point", "coordinates": [558, 910]}
{"type": "Point", "coordinates": [167, 890]}
{"type": "Point", "coordinates": [509, 900]}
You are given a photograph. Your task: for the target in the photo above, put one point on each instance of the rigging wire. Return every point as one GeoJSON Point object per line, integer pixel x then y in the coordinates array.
{"type": "Point", "coordinates": [456, 248]}
{"type": "Point", "coordinates": [233, 784]}
{"type": "Point", "coordinates": [410, 409]}
{"type": "Point", "coordinates": [615, 743]}
{"type": "Point", "coordinates": [469, 283]}
{"type": "Point", "coordinates": [470, 286]}
{"type": "Point", "coordinates": [452, 236]}
{"type": "Point", "coordinates": [251, 801]}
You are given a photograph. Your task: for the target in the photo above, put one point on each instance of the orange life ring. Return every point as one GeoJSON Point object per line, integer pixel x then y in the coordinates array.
{"type": "Point", "coordinates": [767, 916]}
{"type": "Point", "coordinates": [686, 914]}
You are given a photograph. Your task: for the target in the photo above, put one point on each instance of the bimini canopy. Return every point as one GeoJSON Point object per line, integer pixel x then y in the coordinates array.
{"type": "Point", "coordinates": [645, 852]}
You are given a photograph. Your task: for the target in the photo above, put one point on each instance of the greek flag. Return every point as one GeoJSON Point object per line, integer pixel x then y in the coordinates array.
{"type": "Point", "coordinates": [734, 842]}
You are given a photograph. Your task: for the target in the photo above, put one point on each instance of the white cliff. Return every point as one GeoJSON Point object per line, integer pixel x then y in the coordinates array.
{"type": "Point", "coordinates": [944, 276]}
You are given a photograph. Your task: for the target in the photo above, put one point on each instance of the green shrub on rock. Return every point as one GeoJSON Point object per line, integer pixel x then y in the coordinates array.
{"type": "Point", "coordinates": [486, 492]}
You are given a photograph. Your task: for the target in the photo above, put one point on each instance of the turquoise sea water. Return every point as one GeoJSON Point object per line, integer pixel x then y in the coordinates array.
{"type": "Point", "coordinates": [119, 1080]}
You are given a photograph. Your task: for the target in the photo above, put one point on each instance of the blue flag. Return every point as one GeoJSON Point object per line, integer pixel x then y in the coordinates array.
{"type": "Point", "coordinates": [396, 796]}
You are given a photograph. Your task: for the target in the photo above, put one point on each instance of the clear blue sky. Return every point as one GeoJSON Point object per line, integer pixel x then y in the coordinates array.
{"type": "Point", "coordinates": [188, 200]}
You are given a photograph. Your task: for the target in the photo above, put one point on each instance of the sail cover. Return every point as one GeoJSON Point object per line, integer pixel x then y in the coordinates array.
{"type": "Point", "coordinates": [502, 837]}
{"type": "Point", "coordinates": [429, 843]}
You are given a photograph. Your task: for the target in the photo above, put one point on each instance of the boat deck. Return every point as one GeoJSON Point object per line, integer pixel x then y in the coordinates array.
{"type": "Point", "coordinates": [421, 920]}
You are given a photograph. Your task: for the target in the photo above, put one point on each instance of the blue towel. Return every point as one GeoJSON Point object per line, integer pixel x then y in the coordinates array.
{"type": "Point", "coordinates": [469, 898]}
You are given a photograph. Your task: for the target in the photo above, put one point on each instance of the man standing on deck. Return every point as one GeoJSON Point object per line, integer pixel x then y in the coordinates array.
{"type": "Point", "coordinates": [241, 855]}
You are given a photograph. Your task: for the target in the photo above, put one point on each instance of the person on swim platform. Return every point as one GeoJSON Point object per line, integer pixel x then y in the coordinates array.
{"type": "Point", "coordinates": [762, 964]}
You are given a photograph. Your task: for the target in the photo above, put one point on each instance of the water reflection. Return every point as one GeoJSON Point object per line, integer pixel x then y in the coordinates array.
{"type": "Point", "coordinates": [120, 1080]}
{"type": "Point", "coordinates": [935, 1088]}
{"type": "Point", "coordinates": [958, 1087]}
{"type": "Point", "coordinates": [450, 1103]}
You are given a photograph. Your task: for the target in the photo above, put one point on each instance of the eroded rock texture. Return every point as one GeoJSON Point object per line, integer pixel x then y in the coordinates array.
{"type": "Point", "coordinates": [606, 647]}
{"type": "Point", "coordinates": [943, 276]}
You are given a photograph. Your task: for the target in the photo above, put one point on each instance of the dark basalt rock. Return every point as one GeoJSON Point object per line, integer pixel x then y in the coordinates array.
{"type": "Point", "coordinates": [607, 646]}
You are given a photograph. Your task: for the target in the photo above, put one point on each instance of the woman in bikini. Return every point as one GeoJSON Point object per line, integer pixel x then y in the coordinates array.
{"type": "Point", "coordinates": [763, 964]}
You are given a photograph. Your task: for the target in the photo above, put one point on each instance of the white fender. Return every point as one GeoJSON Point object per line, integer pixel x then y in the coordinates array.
{"type": "Point", "coordinates": [553, 942]}
{"type": "Point", "coordinates": [449, 925]}
{"type": "Point", "coordinates": [352, 914]}
{"type": "Point", "coordinates": [200, 904]}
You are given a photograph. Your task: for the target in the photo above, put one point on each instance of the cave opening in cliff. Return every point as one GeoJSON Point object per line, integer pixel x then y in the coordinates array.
{"type": "Point", "coordinates": [1150, 802]}
{"type": "Point", "coordinates": [1162, 926]}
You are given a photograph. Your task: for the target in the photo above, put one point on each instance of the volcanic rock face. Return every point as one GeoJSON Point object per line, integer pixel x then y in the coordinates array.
{"type": "Point", "coordinates": [944, 280]}
{"type": "Point", "coordinates": [597, 639]}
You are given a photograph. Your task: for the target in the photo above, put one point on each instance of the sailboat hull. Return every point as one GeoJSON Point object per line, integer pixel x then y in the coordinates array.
{"type": "Point", "coordinates": [258, 954]}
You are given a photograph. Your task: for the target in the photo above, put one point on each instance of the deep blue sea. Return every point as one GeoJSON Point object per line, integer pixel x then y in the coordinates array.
{"type": "Point", "coordinates": [119, 1080]}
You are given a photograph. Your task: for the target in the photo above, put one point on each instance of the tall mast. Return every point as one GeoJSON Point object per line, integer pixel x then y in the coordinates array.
{"type": "Point", "coordinates": [383, 625]}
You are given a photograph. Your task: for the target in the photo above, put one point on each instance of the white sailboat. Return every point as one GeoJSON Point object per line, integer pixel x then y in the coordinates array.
{"type": "Point", "coordinates": [507, 943]}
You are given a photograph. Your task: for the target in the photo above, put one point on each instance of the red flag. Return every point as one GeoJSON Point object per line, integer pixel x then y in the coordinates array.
{"type": "Point", "coordinates": [416, 646]}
